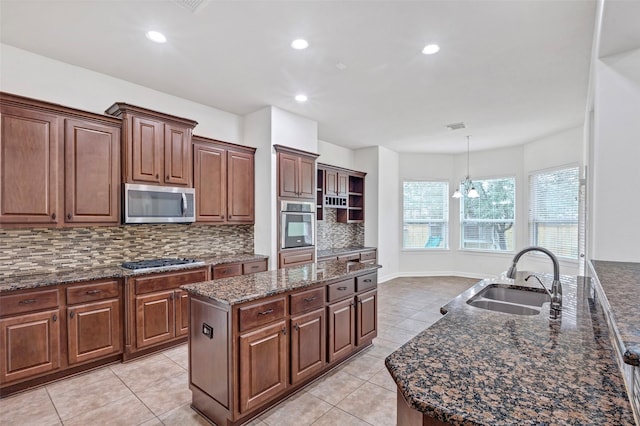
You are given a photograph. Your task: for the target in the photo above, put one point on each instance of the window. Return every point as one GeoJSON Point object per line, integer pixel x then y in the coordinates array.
{"type": "Point", "coordinates": [553, 212]}
{"type": "Point", "coordinates": [487, 221]}
{"type": "Point", "coordinates": [425, 213]}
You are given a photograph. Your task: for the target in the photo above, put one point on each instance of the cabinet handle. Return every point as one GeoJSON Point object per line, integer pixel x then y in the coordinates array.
{"type": "Point", "coordinates": [69, 216]}
{"type": "Point", "coordinates": [368, 280]}
{"type": "Point", "coordinates": [284, 330]}
{"type": "Point", "coordinates": [255, 266]}
{"type": "Point", "coordinates": [71, 314]}
{"type": "Point", "coordinates": [93, 291]}
{"type": "Point", "coordinates": [27, 301]}
{"type": "Point", "coordinates": [309, 299]}
{"type": "Point", "coordinates": [342, 288]}
{"type": "Point", "coordinates": [55, 318]}
{"type": "Point", "coordinates": [267, 312]}
{"type": "Point", "coordinates": [53, 216]}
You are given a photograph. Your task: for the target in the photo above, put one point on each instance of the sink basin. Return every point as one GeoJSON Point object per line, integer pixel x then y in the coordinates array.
{"type": "Point", "coordinates": [510, 300]}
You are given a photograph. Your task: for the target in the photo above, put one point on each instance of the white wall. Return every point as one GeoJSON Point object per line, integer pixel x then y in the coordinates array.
{"type": "Point", "coordinates": [293, 130]}
{"type": "Point", "coordinates": [389, 213]}
{"type": "Point", "coordinates": [366, 160]}
{"type": "Point", "coordinates": [27, 74]}
{"type": "Point", "coordinates": [336, 155]}
{"type": "Point", "coordinates": [616, 165]}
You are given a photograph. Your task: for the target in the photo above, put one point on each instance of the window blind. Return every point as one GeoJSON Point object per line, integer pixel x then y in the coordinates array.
{"type": "Point", "coordinates": [425, 213]}
{"type": "Point", "coordinates": [553, 212]}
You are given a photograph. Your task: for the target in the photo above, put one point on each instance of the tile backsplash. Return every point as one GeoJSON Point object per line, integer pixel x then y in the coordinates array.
{"type": "Point", "coordinates": [40, 250]}
{"type": "Point", "coordinates": [333, 234]}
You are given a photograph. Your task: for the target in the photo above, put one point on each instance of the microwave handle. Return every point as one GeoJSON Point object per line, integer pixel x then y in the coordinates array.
{"type": "Point", "coordinates": [184, 204]}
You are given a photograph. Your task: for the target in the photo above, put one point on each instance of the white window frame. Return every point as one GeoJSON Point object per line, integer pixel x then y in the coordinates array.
{"type": "Point", "coordinates": [443, 243]}
{"type": "Point", "coordinates": [477, 184]}
{"type": "Point", "coordinates": [531, 235]}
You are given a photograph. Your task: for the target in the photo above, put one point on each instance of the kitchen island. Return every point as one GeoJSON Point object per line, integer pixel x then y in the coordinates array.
{"type": "Point", "coordinates": [482, 367]}
{"type": "Point", "coordinates": [255, 339]}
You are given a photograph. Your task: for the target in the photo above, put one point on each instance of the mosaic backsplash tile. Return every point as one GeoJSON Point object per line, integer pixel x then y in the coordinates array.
{"type": "Point", "coordinates": [43, 250]}
{"type": "Point", "coordinates": [332, 234]}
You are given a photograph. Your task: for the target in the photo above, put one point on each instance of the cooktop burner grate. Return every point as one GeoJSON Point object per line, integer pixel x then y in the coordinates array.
{"type": "Point", "coordinates": [158, 263]}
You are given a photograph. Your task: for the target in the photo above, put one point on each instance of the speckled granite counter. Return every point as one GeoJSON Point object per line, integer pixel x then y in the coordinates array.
{"type": "Point", "coordinates": [342, 251]}
{"type": "Point", "coordinates": [481, 367]}
{"type": "Point", "coordinates": [21, 282]}
{"type": "Point", "coordinates": [620, 283]}
{"type": "Point", "coordinates": [245, 288]}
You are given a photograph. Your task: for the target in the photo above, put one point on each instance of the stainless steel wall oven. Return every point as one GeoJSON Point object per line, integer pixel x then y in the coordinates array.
{"type": "Point", "coordinates": [297, 224]}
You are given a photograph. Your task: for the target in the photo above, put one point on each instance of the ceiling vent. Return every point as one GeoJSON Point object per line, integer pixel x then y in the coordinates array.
{"type": "Point", "coordinates": [193, 6]}
{"type": "Point", "coordinates": [456, 126]}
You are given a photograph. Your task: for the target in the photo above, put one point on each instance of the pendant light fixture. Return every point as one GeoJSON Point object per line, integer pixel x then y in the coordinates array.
{"type": "Point", "coordinates": [469, 187]}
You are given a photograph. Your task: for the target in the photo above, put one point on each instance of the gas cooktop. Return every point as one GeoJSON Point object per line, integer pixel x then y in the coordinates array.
{"type": "Point", "coordinates": [146, 265]}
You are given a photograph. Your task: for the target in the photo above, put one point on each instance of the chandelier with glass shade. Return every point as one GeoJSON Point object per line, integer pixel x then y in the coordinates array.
{"type": "Point", "coordinates": [468, 185]}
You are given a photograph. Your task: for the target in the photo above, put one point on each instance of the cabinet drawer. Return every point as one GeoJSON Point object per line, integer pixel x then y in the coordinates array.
{"type": "Point", "coordinates": [168, 281]}
{"type": "Point", "coordinates": [347, 257]}
{"type": "Point", "coordinates": [253, 267]}
{"type": "Point", "coordinates": [27, 302]}
{"type": "Point", "coordinates": [227, 270]}
{"type": "Point", "coordinates": [261, 313]}
{"type": "Point", "coordinates": [366, 282]}
{"type": "Point", "coordinates": [368, 255]}
{"type": "Point", "coordinates": [341, 289]}
{"type": "Point", "coordinates": [307, 300]}
{"type": "Point", "coordinates": [95, 291]}
{"type": "Point", "coordinates": [295, 258]}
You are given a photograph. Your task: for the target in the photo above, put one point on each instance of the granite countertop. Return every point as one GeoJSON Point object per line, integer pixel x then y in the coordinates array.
{"type": "Point", "coordinates": [480, 367]}
{"type": "Point", "coordinates": [27, 281]}
{"type": "Point", "coordinates": [343, 250]}
{"type": "Point", "coordinates": [620, 283]}
{"type": "Point", "coordinates": [235, 290]}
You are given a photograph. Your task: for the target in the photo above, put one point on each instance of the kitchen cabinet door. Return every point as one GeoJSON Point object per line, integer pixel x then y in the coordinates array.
{"type": "Point", "coordinates": [331, 182]}
{"type": "Point", "coordinates": [94, 330]}
{"type": "Point", "coordinates": [92, 179]}
{"type": "Point", "coordinates": [210, 182]}
{"type": "Point", "coordinates": [147, 150]}
{"type": "Point", "coordinates": [288, 175]}
{"type": "Point", "coordinates": [341, 329]}
{"type": "Point", "coordinates": [177, 155]}
{"type": "Point", "coordinates": [366, 317]}
{"type": "Point", "coordinates": [30, 345]}
{"type": "Point", "coordinates": [308, 337]}
{"type": "Point", "coordinates": [155, 318]}
{"type": "Point", "coordinates": [182, 313]}
{"type": "Point", "coordinates": [307, 184]}
{"type": "Point", "coordinates": [240, 187]}
{"type": "Point", "coordinates": [30, 162]}
{"type": "Point", "coordinates": [263, 365]}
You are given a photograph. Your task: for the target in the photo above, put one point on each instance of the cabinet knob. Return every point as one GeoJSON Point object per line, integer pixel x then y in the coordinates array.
{"type": "Point", "coordinates": [53, 216]}
{"type": "Point", "coordinates": [230, 216]}
{"type": "Point", "coordinates": [157, 176]}
{"type": "Point", "coordinates": [167, 177]}
{"type": "Point", "coordinates": [284, 330]}
{"type": "Point", "coordinates": [221, 216]}
{"type": "Point", "coordinates": [69, 216]}
{"type": "Point", "coordinates": [296, 327]}
{"type": "Point", "coordinates": [55, 318]}
{"type": "Point", "coordinates": [71, 314]}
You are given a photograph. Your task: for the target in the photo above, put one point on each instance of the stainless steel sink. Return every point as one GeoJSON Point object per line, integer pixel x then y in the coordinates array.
{"type": "Point", "coordinates": [510, 300]}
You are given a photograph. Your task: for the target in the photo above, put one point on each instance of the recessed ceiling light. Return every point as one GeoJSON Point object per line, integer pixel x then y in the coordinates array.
{"type": "Point", "coordinates": [301, 98]}
{"type": "Point", "coordinates": [299, 44]}
{"type": "Point", "coordinates": [156, 36]}
{"type": "Point", "coordinates": [430, 49]}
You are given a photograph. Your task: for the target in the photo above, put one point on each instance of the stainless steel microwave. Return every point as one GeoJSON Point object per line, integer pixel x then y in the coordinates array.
{"type": "Point", "coordinates": [158, 204]}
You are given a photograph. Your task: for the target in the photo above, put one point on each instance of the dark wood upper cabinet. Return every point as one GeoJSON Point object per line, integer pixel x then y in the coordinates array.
{"type": "Point", "coordinates": [92, 179]}
{"type": "Point", "coordinates": [296, 173]}
{"type": "Point", "coordinates": [156, 147]}
{"type": "Point", "coordinates": [29, 166]}
{"type": "Point", "coordinates": [59, 166]}
{"type": "Point", "coordinates": [224, 181]}
{"type": "Point", "coordinates": [342, 189]}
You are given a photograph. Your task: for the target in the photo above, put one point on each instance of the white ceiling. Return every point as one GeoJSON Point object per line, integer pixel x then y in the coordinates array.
{"type": "Point", "coordinates": [513, 71]}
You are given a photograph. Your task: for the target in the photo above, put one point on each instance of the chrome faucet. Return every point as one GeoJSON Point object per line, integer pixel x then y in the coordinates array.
{"type": "Point", "coordinates": [555, 310]}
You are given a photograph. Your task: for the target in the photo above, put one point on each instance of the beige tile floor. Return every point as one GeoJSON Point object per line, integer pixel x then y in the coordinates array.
{"type": "Point", "coordinates": [154, 390]}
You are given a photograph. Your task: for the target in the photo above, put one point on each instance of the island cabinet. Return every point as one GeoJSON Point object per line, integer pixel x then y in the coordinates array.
{"type": "Point", "coordinates": [274, 345]}
{"type": "Point", "coordinates": [158, 311]}
{"type": "Point", "coordinates": [156, 146]}
{"type": "Point", "coordinates": [296, 173]}
{"type": "Point", "coordinates": [55, 331]}
{"type": "Point", "coordinates": [224, 181]}
{"type": "Point", "coordinates": [60, 166]}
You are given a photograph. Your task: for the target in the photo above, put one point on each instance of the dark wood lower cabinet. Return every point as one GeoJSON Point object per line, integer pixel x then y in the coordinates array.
{"type": "Point", "coordinates": [263, 365]}
{"type": "Point", "coordinates": [94, 330]}
{"type": "Point", "coordinates": [308, 349]}
{"type": "Point", "coordinates": [342, 329]}
{"type": "Point", "coordinates": [155, 318]}
{"type": "Point", "coordinates": [30, 345]}
{"type": "Point", "coordinates": [182, 313]}
{"type": "Point", "coordinates": [275, 345]}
